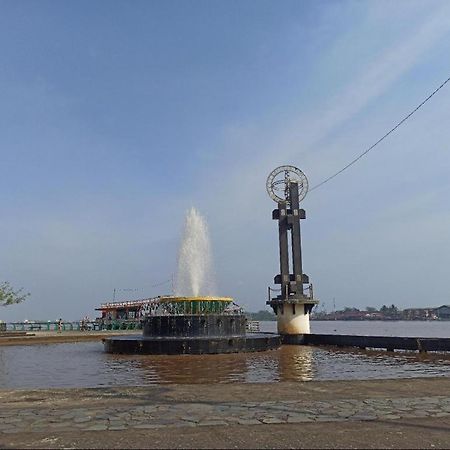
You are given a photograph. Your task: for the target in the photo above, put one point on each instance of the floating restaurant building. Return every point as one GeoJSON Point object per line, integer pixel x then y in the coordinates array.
{"type": "Point", "coordinates": [130, 313]}
{"type": "Point", "coordinates": [126, 312]}
{"type": "Point", "coordinates": [135, 310]}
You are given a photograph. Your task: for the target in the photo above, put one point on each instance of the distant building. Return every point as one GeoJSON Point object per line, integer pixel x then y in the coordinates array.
{"type": "Point", "coordinates": [443, 312]}
{"type": "Point", "coordinates": [419, 314]}
{"type": "Point", "coordinates": [440, 313]}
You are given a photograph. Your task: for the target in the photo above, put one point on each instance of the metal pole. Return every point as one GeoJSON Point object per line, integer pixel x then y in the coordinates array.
{"type": "Point", "coordinates": [284, 252]}
{"type": "Point", "coordinates": [296, 239]}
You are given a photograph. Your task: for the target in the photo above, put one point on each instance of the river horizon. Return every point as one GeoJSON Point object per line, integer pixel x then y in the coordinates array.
{"type": "Point", "coordinates": [401, 328]}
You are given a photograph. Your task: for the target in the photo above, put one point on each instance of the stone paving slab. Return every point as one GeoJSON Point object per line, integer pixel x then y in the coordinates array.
{"type": "Point", "coordinates": [343, 414]}
{"type": "Point", "coordinates": [219, 406]}
{"type": "Point", "coordinates": [20, 420]}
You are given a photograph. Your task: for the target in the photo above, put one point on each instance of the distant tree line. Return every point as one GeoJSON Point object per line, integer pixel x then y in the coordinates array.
{"type": "Point", "coordinates": [385, 311]}
{"type": "Point", "coordinates": [261, 315]}
{"type": "Point", "coordinates": [352, 313]}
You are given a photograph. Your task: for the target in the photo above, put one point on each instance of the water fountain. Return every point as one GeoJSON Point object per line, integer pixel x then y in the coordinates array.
{"type": "Point", "coordinates": [195, 273]}
{"type": "Point", "coordinates": [194, 320]}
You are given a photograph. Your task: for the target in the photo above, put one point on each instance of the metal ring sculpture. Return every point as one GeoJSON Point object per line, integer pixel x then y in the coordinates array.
{"type": "Point", "coordinates": [278, 181]}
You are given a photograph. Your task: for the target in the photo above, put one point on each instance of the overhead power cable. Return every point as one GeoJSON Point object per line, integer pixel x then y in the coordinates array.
{"type": "Point", "coordinates": [161, 284]}
{"type": "Point", "coordinates": [382, 138]}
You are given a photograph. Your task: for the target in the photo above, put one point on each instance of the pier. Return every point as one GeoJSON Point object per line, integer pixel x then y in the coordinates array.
{"type": "Point", "coordinates": [92, 325]}
{"type": "Point", "coordinates": [389, 343]}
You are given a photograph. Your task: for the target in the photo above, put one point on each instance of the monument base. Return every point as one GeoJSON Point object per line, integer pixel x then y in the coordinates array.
{"type": "Point", "coordinates": [257, 342]}
{"type": "Point", "coordinates": [289, 323]}
{"type": "Point", "coordinates": [193, 334]}
{"type": "Point", "coordinates": [292, 315]}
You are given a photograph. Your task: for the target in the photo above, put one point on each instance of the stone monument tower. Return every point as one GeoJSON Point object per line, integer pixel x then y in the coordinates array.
{"type": "Point", "coordinates": [288, 186]}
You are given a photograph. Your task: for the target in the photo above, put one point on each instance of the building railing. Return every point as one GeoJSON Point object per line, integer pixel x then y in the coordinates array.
{"type": "Point", "coordinates": [97, 325]}
{"type": "Point", "coordinates": [129, 303]}
{"type": "Point", "coordinates": [252, 326]}
{"type": "Point", "coordinates": [308, 292]}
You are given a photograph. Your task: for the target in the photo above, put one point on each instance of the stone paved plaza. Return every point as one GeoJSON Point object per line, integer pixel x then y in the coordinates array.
{"type": "Point", "coordinates": [38, 418]}
{"type": "Point", "coordinates": [194, 414]}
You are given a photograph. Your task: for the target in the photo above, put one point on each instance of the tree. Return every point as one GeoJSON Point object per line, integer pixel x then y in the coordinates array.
{"type": "Point", "coordinates": [262, 315]}
{"type": "Point", "coordinates": [371, 309]}
{"type": "Point", "coordinates": [394, 309]}
{"type": "Point", "coordinates": [9, 296]}
{"type": "Point", "coordinates": [390, 311]}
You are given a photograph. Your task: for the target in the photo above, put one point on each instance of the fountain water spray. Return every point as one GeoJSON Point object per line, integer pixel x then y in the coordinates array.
{"type": "Point", "coordinates": [195, 274]}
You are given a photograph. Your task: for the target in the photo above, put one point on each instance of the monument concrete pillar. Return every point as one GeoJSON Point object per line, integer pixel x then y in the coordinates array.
{"type": "Point", "coordinates": [292, 319]}
{"type": "Point", "coordinates": [294, 302]}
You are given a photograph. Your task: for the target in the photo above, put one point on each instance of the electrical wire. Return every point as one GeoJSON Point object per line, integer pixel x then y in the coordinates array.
{"type": "Point", "coordinates": [382, 138]}
{"type": "Point", "coordinates": [160, 284]}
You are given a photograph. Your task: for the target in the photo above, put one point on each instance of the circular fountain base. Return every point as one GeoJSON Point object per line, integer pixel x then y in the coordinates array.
{"type": "Point", "coordinates": [255, 342]}
{"type": "Point", "coordinates": [193, 334]}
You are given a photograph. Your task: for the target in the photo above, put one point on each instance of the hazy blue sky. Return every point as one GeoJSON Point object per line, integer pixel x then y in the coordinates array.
{"type": "Point", "coordinates": [117, 116]}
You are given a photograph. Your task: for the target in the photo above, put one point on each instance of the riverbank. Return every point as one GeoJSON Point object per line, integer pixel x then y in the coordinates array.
{"type": "Point", "coordinates": [54, 337]}
{"type": "Point", "coordinates": [408, 413]}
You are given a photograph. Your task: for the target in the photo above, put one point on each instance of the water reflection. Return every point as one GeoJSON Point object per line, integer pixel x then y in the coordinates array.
{"type": "Point", "coordinates": [293, 363]}
{"type": "Point", "coordinates": [296, 363]}
{"type": "Point", "coordinates": [86, 365]}
{"type": "Point", "coordinates": [189, 368]}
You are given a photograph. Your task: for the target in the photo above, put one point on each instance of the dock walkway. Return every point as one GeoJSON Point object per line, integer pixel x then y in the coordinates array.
{"type": "Point", "coordinates": [53, 337]}
{"type": "Point", "coordinates": [389, 343]}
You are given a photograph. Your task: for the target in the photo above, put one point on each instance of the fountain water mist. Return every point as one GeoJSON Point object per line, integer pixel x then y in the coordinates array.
{"type": "Point", "coordinates": [195, 275]}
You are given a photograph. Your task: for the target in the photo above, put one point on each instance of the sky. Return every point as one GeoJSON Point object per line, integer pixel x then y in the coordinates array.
{"type": "Point", "coordinates": [116, 117]}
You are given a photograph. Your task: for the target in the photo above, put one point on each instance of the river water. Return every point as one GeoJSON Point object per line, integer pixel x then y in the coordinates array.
{"type": "Point", "coordinates": [86, 365]}
{"type": "Point", "coordinates": [375, 328]}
